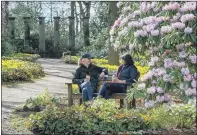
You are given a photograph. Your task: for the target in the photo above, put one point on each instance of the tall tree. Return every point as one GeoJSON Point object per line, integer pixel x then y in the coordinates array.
{"type": "Point", "coordinates": [72, 28]}
{"type": "Point", "coordinates": [113, 56]}
{"type": "Point", "coordinates": [4, 17]}
{"type": "Point", "coordinates": [85, 16]}
{"type": "Point", "coordinates": [77, 21]}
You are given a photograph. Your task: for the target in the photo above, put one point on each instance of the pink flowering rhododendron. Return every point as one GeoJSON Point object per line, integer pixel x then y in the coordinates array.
{"type": "Point", "coordinates": [166, 34]}
{"type": "Point", "coordinates": [188, 30]}
{"type": "Point", "coordinates": [151, 90]}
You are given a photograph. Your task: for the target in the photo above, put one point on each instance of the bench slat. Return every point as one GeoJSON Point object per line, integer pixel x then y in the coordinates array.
{"type": "Point", "coordinates": [115, 95]}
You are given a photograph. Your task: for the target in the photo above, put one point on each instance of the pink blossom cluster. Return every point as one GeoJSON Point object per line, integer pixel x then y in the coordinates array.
{"type": "Point", "coordinates": [145, 7]}
{"type": "Point", "coordinates": [182, 54]}
{"type": "Point", "coordinates": [141, 86]}
{"type": "Point", "coordinates": [127, 9]}
{"type": "Point", "coordinates": [163, 98]}
{"type": "Point", "coordinates": [149, 20]}
{"type": "Point", "coordinates": [155, 72]}
{"type": "Point", "coordinates": [178, 25]}
{"type": "Point", "coordinates": [160, 90]}
{"type": "Point", "coordinates": [171, 6]}
{"type": "Point", "coordinates": [187, 17]}
{"type": "Point", "coordinates": [180, 46]}
{"type": "Point", "coordinates": [119, 4]}
{"type": "Point", "coordinates": [149, 104]}
{"type": "Point", "coordinates": [112, 31]}
{"type": "Point", "coordinates": [123, 31]}
{"type": "Point", "coordinates": [153, 61]}
{"type": "Point", "coordinates": [117, 23]}
{"type": "Point", "coordinates": [168, 63]}
{"type": "Point", "coordinates": [134, 24]}
{"type": "Point", "coordinates": [193, 83]}
{"type": "Point", "coordinates": [193, 59]}
{"type": "Point", "coordinates": [195, 75]}
{"type": "Point", "coordinates": [137, 12]}
{"type": "Point", "coordinates": [188, 30]}
{"type": "Point", "coordinates": [160, 98]}
{"type": "Point", "coordinates": [190, 92]}
{"type": "Point", "coordinates": [187, 78]}
{"type": "Point", "coordinates": [176, 17]}
{"type": "Point", "coordinates": [185, 71]}
{"type": "Point", "coordinates": [142, 33]}
{"type": "Point", "coordinates": [149, 27]}
{"type": "Point", "coordinates": [151, 90]}
{"type": "Point", "coordinates": [124, 22]}
{"type": "Point", "coordinates": [154, 32]}
{"type": "Point", "coordinates": [147, 76]}
{"type": "Point", "coordinates": [166, 29]}
{"type": "Point", "coordinates": [188, 6]}
{"type": "Point", "coordinates": [168, 78]}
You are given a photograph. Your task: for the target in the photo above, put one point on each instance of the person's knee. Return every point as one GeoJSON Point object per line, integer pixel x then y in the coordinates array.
{"type": "Point", "coordinates": [85, 84]}
{"type": "Point", "coordinates": [105, 84]}
{"type": "Point", "coordinates": [84, 90]}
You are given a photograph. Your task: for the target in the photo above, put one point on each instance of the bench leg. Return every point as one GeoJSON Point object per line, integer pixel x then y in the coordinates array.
{"type": "Point", "coordinates": [128, 104]}
{"type": "Point", "coordinates": [70, 100]}
{"type": "Point", "coordinates": [80, 101]}
{"type": "Point", "coordinates": [121, 103]}
{"type": "Point", "coordinates": [133, 103]}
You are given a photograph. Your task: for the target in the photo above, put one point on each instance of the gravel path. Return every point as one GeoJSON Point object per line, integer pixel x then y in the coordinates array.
{"type": "Point", "coordinates": [57, 73]}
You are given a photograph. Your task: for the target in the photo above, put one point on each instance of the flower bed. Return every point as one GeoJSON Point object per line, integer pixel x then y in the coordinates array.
{"type": "Point", "coordinates": [17, 70]}
{"type": "Point", "coordinates": [103, 63]}
{"type": "Point", "coordinates": [103, 117]}
{"type": "Point", "coordinates": [22, 56]}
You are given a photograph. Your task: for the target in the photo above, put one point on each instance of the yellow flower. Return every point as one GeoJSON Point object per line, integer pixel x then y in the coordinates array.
{"type": "Point", "coordinates": [10, 64]}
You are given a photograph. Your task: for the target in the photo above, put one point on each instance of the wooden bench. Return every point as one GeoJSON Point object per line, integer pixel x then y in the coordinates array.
{"type": "Point", "coordinates": [78, 96]}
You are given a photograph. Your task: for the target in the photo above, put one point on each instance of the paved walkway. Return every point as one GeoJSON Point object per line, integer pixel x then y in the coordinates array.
{"type": "Point", "coordinates": [57, 73]}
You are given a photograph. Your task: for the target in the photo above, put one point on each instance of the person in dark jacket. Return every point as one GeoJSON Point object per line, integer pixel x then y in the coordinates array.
{"type": "Point", "coordinates": [126, 74]}
{"type": "Point", "coordinates": [87, 76]}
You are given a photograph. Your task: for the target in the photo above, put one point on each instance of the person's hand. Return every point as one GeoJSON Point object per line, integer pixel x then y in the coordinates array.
{"type": "Point", "coordinates": [115, 80]}
{"type": "Point", "coordinates": [102, 74]}
{"type": "Point", "coordinates": [121, 81]}
{"type": "Point", "coordinates": [86, 80]}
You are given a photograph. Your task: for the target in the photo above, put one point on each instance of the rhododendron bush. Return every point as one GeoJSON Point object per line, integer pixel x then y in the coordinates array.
{"type": "Point", "coordinates": [166, 31]}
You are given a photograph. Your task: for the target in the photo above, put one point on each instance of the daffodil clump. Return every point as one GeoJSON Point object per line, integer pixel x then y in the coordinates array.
{"type": "Point", "coordinates": [17, 70]}
{"type": "Point", "coordinates": [22, 56]}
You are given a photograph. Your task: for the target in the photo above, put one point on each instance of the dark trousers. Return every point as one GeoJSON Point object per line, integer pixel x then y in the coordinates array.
{"type": "Point", "coordinates": [108, 88]}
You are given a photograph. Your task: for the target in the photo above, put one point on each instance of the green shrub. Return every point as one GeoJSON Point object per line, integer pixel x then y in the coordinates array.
{"type": "Point", "coordinates": [102, 117]}
{"type": "Point", "coordinates": [17, 70]}
{"type": "Point", "coordinates": [176, 116]}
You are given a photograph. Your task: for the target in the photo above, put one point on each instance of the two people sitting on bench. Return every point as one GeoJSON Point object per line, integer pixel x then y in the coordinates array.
{"type": "Point", "coordinates": [87, 77]}
{"type": "Point", "coordinates": [127, 74]}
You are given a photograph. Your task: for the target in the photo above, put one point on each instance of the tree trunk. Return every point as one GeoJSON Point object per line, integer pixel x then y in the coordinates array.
{"type": "Point", "coordinates": [4, 17]}
{"type": "Point", "coordinates": [113, 56]}
{"type": "Point", "coordinates": [77, 21]}
{"type": "Point", "coordinates": [86, 18]}
{"type": "Point", "coordinates": [72, 29]}
{"type": "Point", "coordinates": [82, 14]}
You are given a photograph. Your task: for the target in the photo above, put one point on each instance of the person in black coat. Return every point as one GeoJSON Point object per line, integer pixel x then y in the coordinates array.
{"type": "Point", "coordinates": [126, 75]}
{"type": "Point", "coordinates": [87, 76]}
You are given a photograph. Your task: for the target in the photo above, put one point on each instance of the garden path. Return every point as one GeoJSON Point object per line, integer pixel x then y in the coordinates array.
{"type": "Point", "coordinates": [57, 73]}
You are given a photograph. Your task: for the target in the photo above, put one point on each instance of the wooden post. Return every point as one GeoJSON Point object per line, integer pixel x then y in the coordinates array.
{"type": "Point", "coordinates": [121, 103]}
{"type": "Point", "coordinates": [71, 34]}
{"type": "Point", "coordinates": [56, 32]}
{"type": "Point", "coordinates": [70, 92]}
{"type": "Point", "coordinates": [12, 31]}
{"type": "Point", "coordinates": [42, 35]}
{"type": "Point", "coordinates": [27, 34]}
